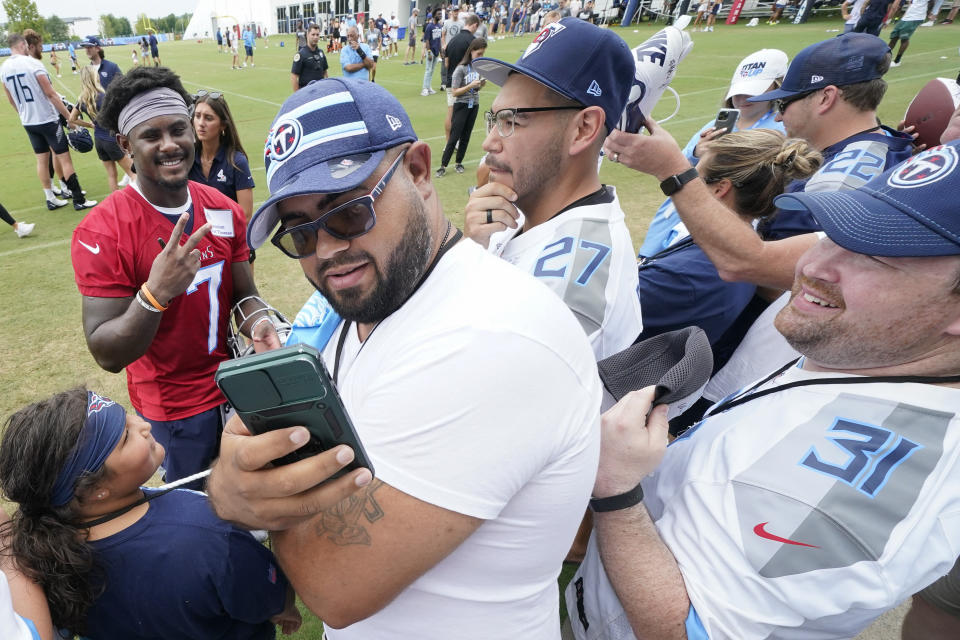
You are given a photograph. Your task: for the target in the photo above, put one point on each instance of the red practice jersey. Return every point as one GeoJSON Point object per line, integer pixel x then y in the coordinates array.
{"type": "Point", "coordinates": [113, 249]}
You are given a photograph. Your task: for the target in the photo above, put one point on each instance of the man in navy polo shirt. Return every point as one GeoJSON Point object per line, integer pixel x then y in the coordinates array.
{"type": "Point", "coordinates": [829, 97]}
{"type": "Point", "coordinates": [106, 69]}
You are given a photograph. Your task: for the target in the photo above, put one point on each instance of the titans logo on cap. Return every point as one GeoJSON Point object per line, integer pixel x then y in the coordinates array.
{"type": "Point", "coordinates": [925, 168]}
{"type": "Point", "coordinates": [548, 31]}
{"type": "Point", "coordinates": [285, 138]}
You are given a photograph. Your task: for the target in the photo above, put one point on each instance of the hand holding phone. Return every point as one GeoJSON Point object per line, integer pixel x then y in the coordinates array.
{"type": "Point", "coordinates": [726, 120]}
{"type": "Point", "coordinates": [290, 387]}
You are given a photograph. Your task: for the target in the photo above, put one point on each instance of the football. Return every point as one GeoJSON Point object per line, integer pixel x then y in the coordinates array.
{"type": "Point", "coordinates": [931, 108]}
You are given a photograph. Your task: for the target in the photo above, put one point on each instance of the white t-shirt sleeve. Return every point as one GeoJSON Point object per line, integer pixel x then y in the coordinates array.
{"type": "Point", "coordinates": [12, 626]}
{"type": "Point", "coordinates": [479, 435]}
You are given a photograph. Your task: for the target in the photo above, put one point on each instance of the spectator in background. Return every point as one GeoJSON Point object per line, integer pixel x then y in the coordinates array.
{"type": "Point", "coordinates": [89, 103]}
{"type": "Point", "coordinates": [249, 40]}
{"type": "Point", "coordinates": [219, 40]}
{"type": "Point", "coordinates": [850, 10]}
{"type": "Point", "coordinates": [106, 69]}
{"type": "Point", "coordinates": [587, 13]}
{"type": "Point", "coordinates": [432, 33]}
{"type": "Point", "coordinates": [301, 35]}
{"type": "Point", "coordinates": [874, 17]}
{"type": "Point", "coordinates": [356, 59]}
{"type": "Point", "coordinates": [451, 27]}
{"type": "Point", "coordinates": [220, 161]}
{"type": "Point", "coordinates": [234, 47]}
{"type": "Point", "coordinates": [453, 54]}
{"type": "Point", "coordinates": [154, 47]}
{"type": "Point", "coordinates": [906, 27]}
{"type": "Point", "coordinates": [145, 50]}
{"type": "Point", "coordinates": [54, 62]}
{"type": "Point", "coordinates": [394, 35]}
{"type": "Point", "coordinates": [73, 57]}
{"type": "Point", "coordinates": [135, 57]}
{"type": "Point", "coordinates": [309, 63]}
{"type": "Point", "coordinates": [84, 531]}
{"type": "Point", "coordinates": [411, 55]}
{"type": "Point", "coordinates": [374, 38]}
{"type": "Point", "coordinates": [465, 86]}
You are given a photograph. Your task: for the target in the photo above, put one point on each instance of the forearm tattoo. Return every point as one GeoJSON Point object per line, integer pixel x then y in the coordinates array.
{"type": "Point", "coordinates": [344, 524]}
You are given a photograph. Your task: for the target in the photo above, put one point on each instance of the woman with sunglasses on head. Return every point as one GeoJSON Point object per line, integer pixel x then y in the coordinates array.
{"type": "Point", "coordinates": [220, 161]}
{"type": "Point", "coordinates": [759, 72]}
{"type": "Point", "coordinates": [89, 102]}
{"type": "Point", "coordinates": [117, 560]}
{"type": "Point", "coordinates": [465, 85]}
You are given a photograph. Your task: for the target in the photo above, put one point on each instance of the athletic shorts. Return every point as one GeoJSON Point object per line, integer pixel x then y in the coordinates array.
{"type": "Point", "coordinates": [905, 29]}
{"type": "Point", "coordinates": [249, 51]}
{"type": "Point", "coordinates": [108, 150]}
{"type": "Point", "coordinates": [955, 5]}
{"type": "Point", "coordinates": [412, 41]}
{"type": "Point", "coordinates": [450, 98]}
{"type": "Point", "coordinates": [869, 26]}
{"type": "Point", "coordinates": [343, 39]}
{"type": "Point", "coordinates": [716, 9]}
{"type": "Point", "coordinates": [154, 52]}
{"type": "Point", "coordinates": [48, 136]}
{"type": "Point", "coordinates": [945, 592]}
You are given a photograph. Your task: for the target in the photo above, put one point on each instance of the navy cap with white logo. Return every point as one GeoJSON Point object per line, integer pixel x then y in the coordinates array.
{"type": "Point", "coordinates": [908, 211]}
{"type": "Point", "coordinates": [846, 59]}
{"type": "Point", "coordinates": [328, 138]}
{"type": "Point", "coordinates": [91, 41]}
{"type": "Point", "coordinates": [578, 60]}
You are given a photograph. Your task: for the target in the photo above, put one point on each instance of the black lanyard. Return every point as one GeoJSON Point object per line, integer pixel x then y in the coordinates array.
{"type": "Point", "coordinates": [748, 395]}
{"type": "Point", "coordinates": [444, 247]}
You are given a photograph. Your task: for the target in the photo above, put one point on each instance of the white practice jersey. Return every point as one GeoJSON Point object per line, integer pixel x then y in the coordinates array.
{"type": "Point", "coordinates": [586, 256]}
{"type": "Point", "coordinates": [19, 75]}
{"type": "Point", "coordinates": [803, 514]}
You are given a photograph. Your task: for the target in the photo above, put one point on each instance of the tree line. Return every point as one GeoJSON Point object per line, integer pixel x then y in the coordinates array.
{"type": "Point", "coordinates": [23, 14]}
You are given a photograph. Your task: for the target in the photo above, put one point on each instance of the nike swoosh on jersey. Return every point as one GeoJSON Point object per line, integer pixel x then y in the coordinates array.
{"type": "Point", "coordinates": [94, 249]}
{"type": "Point", "coordinates": [763, 533]}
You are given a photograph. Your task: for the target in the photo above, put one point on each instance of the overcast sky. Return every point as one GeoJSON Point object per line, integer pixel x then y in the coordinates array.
{"type": "Point", "coordinates": [95, 8]}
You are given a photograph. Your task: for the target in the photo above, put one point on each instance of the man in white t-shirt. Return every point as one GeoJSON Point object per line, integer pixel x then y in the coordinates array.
{"type": "Point", "coordinates": [471, 386]}
{"type": "Point", "coordinates": [394, 35]}
{"type": "Point", "coordinates": [807, 504]}
{"type": "Point", "coordinates": [544, 208]}
{"type": "Point", "coordinates": [31, 94]}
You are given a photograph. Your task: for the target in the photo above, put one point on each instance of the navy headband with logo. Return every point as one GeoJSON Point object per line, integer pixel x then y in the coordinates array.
{"type": "Point", "coordinates": [105, 423]}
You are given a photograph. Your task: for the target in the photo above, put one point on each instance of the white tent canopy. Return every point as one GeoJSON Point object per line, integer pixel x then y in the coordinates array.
{"type": "Point", "coordinates": [210, 14]}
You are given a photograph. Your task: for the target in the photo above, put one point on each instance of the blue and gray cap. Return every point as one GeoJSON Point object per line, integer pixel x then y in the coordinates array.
{"type": "Point", "coordinates": [328, 138]}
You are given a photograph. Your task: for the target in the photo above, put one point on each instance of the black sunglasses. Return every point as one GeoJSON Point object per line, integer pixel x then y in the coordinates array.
{"type": "Point", "coordinates": [350, 220]}
{"type": "Point", "coordinates": [782, 104]}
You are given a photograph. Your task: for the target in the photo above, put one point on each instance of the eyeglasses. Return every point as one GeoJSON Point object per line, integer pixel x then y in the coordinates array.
{"type": "Point", "coordinates": [505, 119]}
{"type": "Point", "coordinates": [350, 220]}
{"type": "Point", "coordinates": [214, 95]}
{"type": "Point", "coordinates": [782, 104]}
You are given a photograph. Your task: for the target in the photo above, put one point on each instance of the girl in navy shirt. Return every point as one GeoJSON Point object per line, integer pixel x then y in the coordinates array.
{"type": "Point", "coordinates": [113, 561]}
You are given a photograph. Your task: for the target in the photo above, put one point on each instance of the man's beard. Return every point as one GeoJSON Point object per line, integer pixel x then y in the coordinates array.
{"type": "Point", "coordinates": [404, 269]}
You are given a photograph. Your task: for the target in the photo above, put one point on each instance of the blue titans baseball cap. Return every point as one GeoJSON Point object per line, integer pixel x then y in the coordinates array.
{"type": "Point", "coordinates": [327, 138]}
{"type": "Point", "coordinates": [847, 59]}
{"type": "Point", "coordinates": [578, 60]}
{"type": "Point", "coordinates": [908, 211]}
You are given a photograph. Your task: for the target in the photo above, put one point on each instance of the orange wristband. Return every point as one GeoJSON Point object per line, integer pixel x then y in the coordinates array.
{"type": "Point", "coordinates": [149, 296]}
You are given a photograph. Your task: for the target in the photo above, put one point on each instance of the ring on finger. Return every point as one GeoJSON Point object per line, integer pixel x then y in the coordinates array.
{"type": "Point", "coordinates": [615, 157]}
{"type": "Point", "coordinates": [489, 216]}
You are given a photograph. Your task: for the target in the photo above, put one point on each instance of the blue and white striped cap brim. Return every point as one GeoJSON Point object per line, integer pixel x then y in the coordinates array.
{"type": "Point", "coordinates": [328, 138]}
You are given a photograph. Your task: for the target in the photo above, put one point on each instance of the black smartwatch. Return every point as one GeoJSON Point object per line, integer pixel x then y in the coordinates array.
{"type": "Point", "coordinates": [617, 502]}
{"type": "Point", "coordinates": [674, 183]}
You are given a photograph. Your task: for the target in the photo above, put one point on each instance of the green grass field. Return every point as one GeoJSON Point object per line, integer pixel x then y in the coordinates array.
{"type": "Point", "coordinates": [42, 348]}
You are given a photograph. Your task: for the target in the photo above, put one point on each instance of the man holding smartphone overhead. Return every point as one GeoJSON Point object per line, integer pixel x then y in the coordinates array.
{"type": "Point", "coordinates": [470, 384]}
